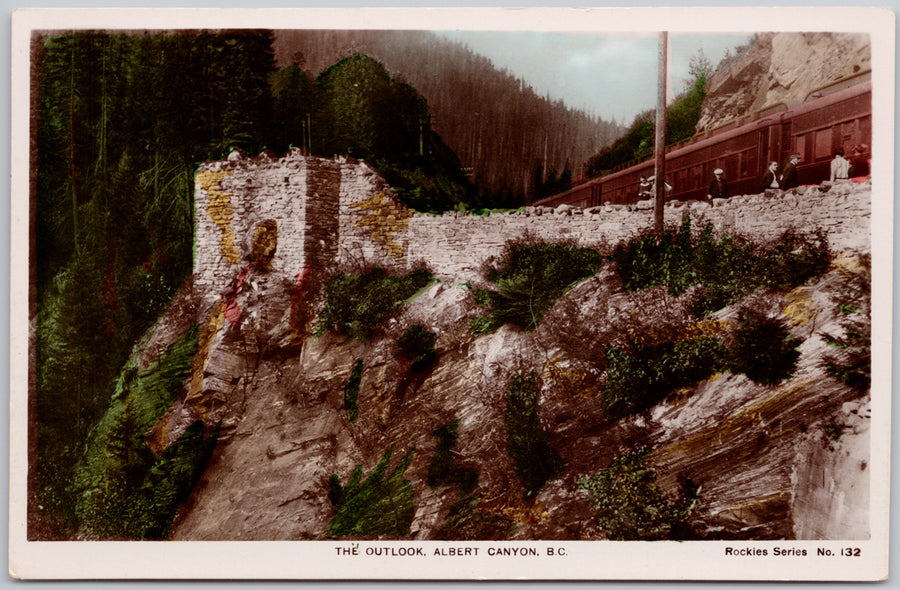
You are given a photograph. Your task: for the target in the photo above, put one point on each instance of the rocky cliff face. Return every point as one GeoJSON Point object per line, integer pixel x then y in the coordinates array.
{"type": "Point", "coordinates": [767, 461]}
{"type": "Point", "coordinates": [776, 73]}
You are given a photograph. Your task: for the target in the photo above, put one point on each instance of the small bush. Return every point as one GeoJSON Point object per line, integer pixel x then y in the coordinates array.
{"type": "Point", "coordinates": [794, 259]}
{"type": "Point", "coordinates": [531, 277]}
{"type": "Point", "coordinates": [417, 347]}
{"type": "Point", "coordinates": [443, 469]}
{"type": "Point", "coordinates": [833, 431]}
{"type": "Point", "coordinates": [851, 360]}
{"type": "Point", "coordinates": [638, 381]}
{"type": "Point", "coordinates": [764, 349]}
{"type": "Point", "coordinates": [351, 391]}
{"type": "Point", "coordinates": [378, 506]}
{"type": "Point", "coordinates": [729, 272]}
{"type": "Point", "coordinates": [355, 304]}
{"type": "Point", "coordinates": [631, 507]}
{"type": "Point", "coordinates": [526, 444]}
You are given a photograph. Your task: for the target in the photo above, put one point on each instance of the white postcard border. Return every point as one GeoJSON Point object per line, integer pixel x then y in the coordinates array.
{"type": "Point", "coordinates": [580, 560]}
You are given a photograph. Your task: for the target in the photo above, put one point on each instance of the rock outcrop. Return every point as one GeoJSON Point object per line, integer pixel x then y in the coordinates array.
{"type": "Point", "coordinates": [775, 73]}
{"type": "Point", "coordinates": [767, 460]}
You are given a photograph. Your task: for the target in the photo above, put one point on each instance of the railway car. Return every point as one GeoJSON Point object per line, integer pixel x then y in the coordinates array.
{"type": "Point", "coordinates": [815, 129]}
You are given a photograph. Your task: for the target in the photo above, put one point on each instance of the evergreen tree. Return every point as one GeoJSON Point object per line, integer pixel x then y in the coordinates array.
{"type": "Point", "coordinates": [122, 120]}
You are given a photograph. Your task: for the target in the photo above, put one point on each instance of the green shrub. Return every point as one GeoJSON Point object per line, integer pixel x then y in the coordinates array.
{"type": "Point", "coordinates": [465, 522]}
{"type": "Point", "coordinates": [764, 349]}
{"type": "Point", "coordinates": [851, 360]}
{"type": "Point", "coordinates": [833, 431]}
{"type": "Point", "coordinates": [355, 304]}
{"type": "Point", "coordinates": [531, 277]}
{"type": "Point", "coordinates": [629, 504]}
{"type": "Point", "coordinates": [728, 272]}
{"type": "Point", "coordinates": [526, 444]}
{"type": "Point", "coordinates": [443, 469]}
{"type": "Point", "coordinates": [638, 381]}
{"type": "Point", "coordinates": [127, 490]}
{"type": "Point", "coordinates": [794, 259]}
{"type": "Point", "coordinates": [351, 391]}
{"type": "Point", "coordinates": [378, 506]}
{"type": "Point", "coordinates": [417, 347]}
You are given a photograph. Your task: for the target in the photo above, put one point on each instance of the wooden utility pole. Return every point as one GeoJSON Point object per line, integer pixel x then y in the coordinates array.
{"type": "Point", "coordinates": [659, 148]}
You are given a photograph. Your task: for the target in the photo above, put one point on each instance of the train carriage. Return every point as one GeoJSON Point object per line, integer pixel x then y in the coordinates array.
{"type": "Point", "coordinates": [814, 129]}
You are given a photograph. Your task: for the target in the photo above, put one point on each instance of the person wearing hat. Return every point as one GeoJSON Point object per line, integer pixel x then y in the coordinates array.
{"type": "Point", "coordinates": [645, 189]}
{"type": "Point", "coordinates": [718, 186]}
{"type": "Point", "coordinates": [789, 173]}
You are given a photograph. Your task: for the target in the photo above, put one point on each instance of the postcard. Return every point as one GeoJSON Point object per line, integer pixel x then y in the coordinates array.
{"type": "Point", "coordinates": [451, 294]}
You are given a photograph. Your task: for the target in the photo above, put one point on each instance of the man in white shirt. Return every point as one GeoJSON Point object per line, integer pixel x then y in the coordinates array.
{"type": "Point", "coordinates": [840, 167]}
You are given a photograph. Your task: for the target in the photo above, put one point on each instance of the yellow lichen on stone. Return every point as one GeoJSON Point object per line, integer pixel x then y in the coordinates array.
{"type": "Point", "coordinates": [704, 328]}
{"type": "Point", "coordinates": [763, 411]}
{"type": "Point", "coordinates": [847, 264]}
{"type": "Point", "coordinates": [514, 508]}
{"type": "Point", "coordinates": [800, 308]}
{"type": "Point", "coordinates": [198, 365]}
{"type": "Point", "coordinates": [220, 210]}
{"type": "Point", "coordinates": [680, 395]}
{"type": "Point", "coordinates": [158, 437]}
{"type": "Point", "coordinates": [386, 218]}
{"type": "Point", "coordinates": [265, 242]}
{"type": "Point", "coordinates": [572, 384]}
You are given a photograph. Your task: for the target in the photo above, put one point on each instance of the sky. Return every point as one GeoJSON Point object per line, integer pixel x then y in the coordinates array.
{"type": "Point", "coordinates": [609, 75]}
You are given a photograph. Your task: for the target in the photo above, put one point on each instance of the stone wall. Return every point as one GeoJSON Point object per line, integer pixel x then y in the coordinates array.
{"type": "Point", "coordinates": [340, 213]}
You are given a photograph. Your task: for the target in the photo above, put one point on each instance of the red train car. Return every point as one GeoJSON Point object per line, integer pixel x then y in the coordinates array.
{"type": "Point", "coordinates": [815, 129]}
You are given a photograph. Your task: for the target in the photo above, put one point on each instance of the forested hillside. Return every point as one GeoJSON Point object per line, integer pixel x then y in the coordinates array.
{"type": "Point", "coordinates": [683, 115]}
{"type": "Point", "coordinates": [498, 126]}
{"type": "Point", "coordinates": [122, 121]}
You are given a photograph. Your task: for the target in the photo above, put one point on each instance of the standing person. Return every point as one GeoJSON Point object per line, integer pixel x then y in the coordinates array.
{"type": "Point", "coordinates": [644, 189]}
{"type": "Point", "coordinates": [859, 163]}
{"type": "Point", "coordinates": [718, 186]}
{"type": "Point", "coordinates": [789, 173]}
{"type": "Point", "coordinates": [770, 178]}
{"type": "Point", "coordinates": [840, 167]}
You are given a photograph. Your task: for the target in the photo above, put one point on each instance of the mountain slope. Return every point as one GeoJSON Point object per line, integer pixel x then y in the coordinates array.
{"type": "Point", "coordinates": [494, 122]}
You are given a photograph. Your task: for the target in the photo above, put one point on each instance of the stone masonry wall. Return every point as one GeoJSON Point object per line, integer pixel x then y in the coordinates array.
{"type": "Point", "coordinates": [233, 196]}
{"type": "Point", "coordinates": [457, 245]}
{"type": "Point", "coordinates": [342, 213]}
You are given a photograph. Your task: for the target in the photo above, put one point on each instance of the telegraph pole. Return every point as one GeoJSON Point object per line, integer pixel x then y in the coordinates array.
{"type": "Point", "coordinates": [659, 148]}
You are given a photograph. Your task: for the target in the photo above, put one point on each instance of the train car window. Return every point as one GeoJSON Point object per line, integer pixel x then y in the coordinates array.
{"type": "Point", "coordinates": [823, 144]}
{"type": "Point", "coordinates": [799, 146]}
{"type": "Point", "coordinates": [748, 163]}
{"type": "Point", "coordinates": [802, 146]}
{"type": "Point", "coordinates": [731, 168]}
